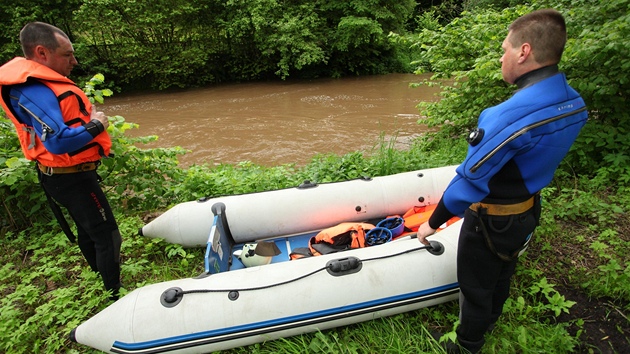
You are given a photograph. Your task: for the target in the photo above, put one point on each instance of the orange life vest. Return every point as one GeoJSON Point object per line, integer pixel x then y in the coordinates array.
{"type": "Point", "coordinates": [347, 235]}
{"type": "Point", "coordinates": [418, 215]}
{"type": "Point", "coordinates": [344, 236]}
{"type": "Point", "coordinates": [75, 109]}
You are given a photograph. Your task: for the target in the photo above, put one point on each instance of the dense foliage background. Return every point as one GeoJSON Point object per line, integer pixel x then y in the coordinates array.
{"type": "Point", "coordinates": [581, 246]}
{"type": "Point", "coordinates": [163, 43]}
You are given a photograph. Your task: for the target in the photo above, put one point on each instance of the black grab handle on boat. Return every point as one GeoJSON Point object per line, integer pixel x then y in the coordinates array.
{"type": "Point", "coordinates": [434, 247]}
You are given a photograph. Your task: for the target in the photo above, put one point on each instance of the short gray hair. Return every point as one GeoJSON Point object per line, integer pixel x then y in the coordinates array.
{"type": "Point", "coordinates": [39, 33]}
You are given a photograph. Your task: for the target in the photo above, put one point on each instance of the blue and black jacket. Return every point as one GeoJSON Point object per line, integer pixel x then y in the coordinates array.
{"type": "Point", "coordinates": [517, 146]}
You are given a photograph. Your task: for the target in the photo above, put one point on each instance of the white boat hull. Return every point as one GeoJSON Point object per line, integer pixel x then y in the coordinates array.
{"type": "Point", "coordinates": [291, 211]}
{"type": "Point", "coordinates": [393, 278]}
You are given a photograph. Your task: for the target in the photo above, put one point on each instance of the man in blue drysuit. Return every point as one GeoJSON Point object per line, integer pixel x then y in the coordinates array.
{"type": "Point", "coordinates": [512, 155]}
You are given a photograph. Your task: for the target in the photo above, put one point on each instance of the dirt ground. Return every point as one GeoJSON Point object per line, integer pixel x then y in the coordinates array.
{"type": "Point", "coordinates": [606, 327]}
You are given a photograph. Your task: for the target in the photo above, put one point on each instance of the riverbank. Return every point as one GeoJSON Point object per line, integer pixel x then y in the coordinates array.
{"type": "Point", "coordinates": [47, 289]}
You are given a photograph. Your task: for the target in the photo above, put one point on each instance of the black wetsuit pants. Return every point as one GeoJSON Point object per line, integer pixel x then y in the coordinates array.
{"type": "Point", "coordinates": [98, 235]}
{"type": "Point", "coordinates": [484, 278]}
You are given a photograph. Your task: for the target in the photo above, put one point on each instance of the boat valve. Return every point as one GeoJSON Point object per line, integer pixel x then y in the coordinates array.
{"type": "Point", "coordinates": [171, 297]}
{"type": "Point", "coordinates": [435, 248]}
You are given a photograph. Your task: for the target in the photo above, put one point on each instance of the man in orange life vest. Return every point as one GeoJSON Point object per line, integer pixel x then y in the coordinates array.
{"type": "Point", "coordinates": [513, 154]}
{"type": "Point", "coordinates": [60, 129]}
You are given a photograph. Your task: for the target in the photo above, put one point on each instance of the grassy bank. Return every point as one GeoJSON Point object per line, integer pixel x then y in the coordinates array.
{"type": "Point", "coordinates": [578, 259]}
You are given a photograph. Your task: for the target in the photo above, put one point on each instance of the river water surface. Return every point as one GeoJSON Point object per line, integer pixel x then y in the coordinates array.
{"type": "Point", "coordinates": [273, 123]}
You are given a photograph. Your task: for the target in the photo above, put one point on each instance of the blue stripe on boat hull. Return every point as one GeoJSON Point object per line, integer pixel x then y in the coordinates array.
{"type": "Point", "coordinates": [292, 322]}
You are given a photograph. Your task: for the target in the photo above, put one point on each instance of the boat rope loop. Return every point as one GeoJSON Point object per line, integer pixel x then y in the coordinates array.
{"type": "Point", "coordinates": [172, 296]}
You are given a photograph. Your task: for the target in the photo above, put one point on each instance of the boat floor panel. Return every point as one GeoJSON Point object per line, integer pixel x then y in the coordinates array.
{"type": "Point", "coordinates": [285, 244]}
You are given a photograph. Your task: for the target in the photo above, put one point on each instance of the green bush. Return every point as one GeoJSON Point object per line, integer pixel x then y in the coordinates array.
{"type": "Point", "coordinates": [464, 57]}
{"type": "Point", "coordinates": [23, 201]}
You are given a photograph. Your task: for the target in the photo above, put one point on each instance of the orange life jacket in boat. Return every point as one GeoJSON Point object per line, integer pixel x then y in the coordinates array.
{"type": "Point", "coordinates": [418, 215]}
{"type": "Point", "coordinates": [347, 235]}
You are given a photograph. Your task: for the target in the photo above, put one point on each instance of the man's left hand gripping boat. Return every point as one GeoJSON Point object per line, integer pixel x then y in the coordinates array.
{"type": "Point", "coordinates": [231, 305]}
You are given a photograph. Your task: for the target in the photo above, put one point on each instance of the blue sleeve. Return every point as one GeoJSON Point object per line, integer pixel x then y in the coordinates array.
{"type": "Point", "coordinates": [36, 105]}
{"type": "Point", "coordinates": [495, 150]}
{"type": "Point", "coordinates": [470, 187]}
{"type": "Point", "coordinates": [457, 197]}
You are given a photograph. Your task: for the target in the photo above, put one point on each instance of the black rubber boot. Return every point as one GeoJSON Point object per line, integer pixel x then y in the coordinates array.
{"type": "Point", "coordinates": [469, 346]}
{"type": "Point", "coordinates": [449, 346]}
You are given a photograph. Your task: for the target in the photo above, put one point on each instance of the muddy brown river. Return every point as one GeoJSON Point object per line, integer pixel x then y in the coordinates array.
{"type": "Point", "coordinates": [282, 122]}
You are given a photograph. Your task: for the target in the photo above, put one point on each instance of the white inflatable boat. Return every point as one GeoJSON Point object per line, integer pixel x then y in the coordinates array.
{"type": "Point", "coordinates": [259, 296]}
{"type": "Point", "coordinates": [308, 207]}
